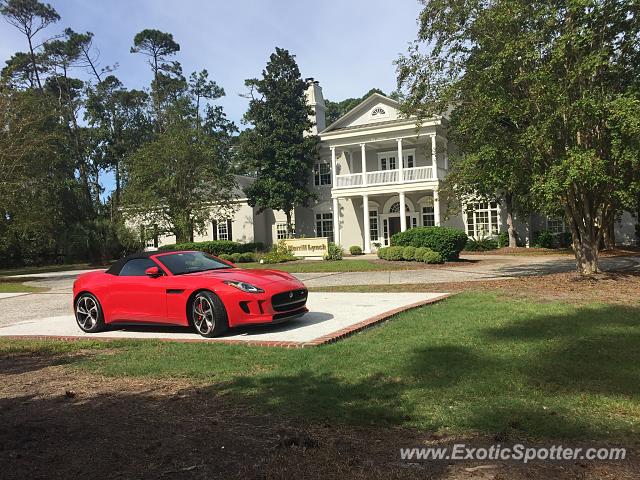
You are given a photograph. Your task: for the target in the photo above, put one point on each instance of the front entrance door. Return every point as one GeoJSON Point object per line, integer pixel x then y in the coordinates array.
{"type": "Point", "coordinates": [394, 226]}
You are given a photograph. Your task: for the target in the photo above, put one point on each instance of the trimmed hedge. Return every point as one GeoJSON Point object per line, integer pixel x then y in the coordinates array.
{"type": "Point", "coordinates": [217, 247]}
{"type": "Point", "coordinates": [355, 250]}
{"type": "Point", "coordinates": [482, 244]}
{"type": "Point", "coordinates": [420, 254]}
{"type": "Point", "coordinates": [409, 253]}
{"type": "Point", "coordinates": [447, 241]}
{"type": "Point", "coordinates": [432, 257]}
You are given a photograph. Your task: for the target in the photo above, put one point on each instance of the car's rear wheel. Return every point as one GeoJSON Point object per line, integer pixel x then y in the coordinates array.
{"type": "Point", "coordinates": [208, 315]}
{"type": "Point", "coordinates": [89, 313]}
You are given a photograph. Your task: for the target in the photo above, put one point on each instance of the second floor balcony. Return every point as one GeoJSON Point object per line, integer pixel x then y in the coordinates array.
{"type": "Point", "coordinates": [384, 177]}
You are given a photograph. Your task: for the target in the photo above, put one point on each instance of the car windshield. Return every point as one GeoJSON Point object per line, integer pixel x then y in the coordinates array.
{"type": "Point", "coordinates": [191, 262]}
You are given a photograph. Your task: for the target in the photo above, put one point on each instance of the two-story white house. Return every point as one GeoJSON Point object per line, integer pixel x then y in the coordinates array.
{"type": "Point", "coordinates": [377, 174]}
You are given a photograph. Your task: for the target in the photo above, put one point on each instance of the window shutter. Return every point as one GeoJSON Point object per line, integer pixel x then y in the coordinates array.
{"type": "Point", "coordinates": [214, 226]}
{"type": "Point", "coordinates": [229, 234]}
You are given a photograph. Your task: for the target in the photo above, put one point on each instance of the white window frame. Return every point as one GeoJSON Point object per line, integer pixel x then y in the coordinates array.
{"type": "Point", "coordinates": [323, 219]}
{"type": "Point", "coordinates": [406, 153]}
{"type": "Point", "coordinates": [223, 231]}
{"type": "Point", "coordinates": [558, 221]}
{"type": "Point", "coordinates": [318, 175]}
{"type": "Point", "coordinates": [374, 225]}
{"type": "Point", "coordinates": [474, 210]}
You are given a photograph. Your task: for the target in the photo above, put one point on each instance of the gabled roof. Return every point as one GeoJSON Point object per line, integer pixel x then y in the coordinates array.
{"type": "Point", "coordinates": [360, 109]}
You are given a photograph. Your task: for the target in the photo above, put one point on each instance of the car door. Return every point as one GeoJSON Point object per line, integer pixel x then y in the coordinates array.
{"type": "Point", "coordinates": [136, 296]}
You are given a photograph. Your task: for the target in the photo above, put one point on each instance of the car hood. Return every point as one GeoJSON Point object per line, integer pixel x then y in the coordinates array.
{"type": "Point", "coordinates": [258, 277]}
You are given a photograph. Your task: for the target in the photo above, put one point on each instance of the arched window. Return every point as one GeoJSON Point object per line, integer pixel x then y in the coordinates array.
{"type": "Point", "coordinates": [378, 112]}
{"type": "Point", "coordinates": [395, 208]}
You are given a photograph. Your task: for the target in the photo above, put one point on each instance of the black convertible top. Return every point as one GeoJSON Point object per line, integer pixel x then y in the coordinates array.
{"type": "Point", "coordinates": [117, 266]}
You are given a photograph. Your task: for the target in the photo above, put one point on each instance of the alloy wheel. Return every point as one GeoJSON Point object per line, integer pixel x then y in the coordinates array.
{"type": "Point", "coordinates": [87, 312]}
{"type": "Point", "coordinates": [203, 317]}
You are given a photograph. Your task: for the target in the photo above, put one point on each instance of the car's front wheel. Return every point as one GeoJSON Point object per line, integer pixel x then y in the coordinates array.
{"type": "Point", "coordinates": [89, 313]}
{"type": "Point", "coordinates": [208, 315]}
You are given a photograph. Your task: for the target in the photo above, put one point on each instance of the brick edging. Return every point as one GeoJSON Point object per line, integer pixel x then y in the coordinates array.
{"type": "Point", "coordinates": [325, 339]}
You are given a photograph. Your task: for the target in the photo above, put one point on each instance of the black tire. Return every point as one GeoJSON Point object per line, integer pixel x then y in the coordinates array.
{"type": "Point", "coordinates": [88, 313]}
{"type": "Point", "coordinates": [208, 315]}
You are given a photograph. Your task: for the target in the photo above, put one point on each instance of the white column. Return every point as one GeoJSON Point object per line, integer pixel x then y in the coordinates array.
{"type": "Point", "coordinates": [336, 221]}
{"type": "Point", "coordinates": [403, 213]}
{"type": "Point", "coordinates": [436, 207]}
{"type": "Point", "coordinates": [333, 167]}
{"type": "Point", "coordinates": [363, 154]}
{"type": "Point", "coordinates": [365, 212]}
{"type": "Point", "coordinates": [434, 157]}
{"type": "Point", "coordinates": [400, 165]}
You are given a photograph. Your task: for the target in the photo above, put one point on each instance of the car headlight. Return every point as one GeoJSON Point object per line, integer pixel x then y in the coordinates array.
{"type": "Point", "coordinates": [244, 286]}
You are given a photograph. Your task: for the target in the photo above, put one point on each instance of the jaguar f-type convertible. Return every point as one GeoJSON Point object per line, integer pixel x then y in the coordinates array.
{"type": "Point", "coordinates": [185, 288]}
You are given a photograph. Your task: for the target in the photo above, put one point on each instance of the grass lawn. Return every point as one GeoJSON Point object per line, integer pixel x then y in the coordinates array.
{"type": "Point", "coordinates": [320, 266]}
{"type": "Point", "coordinates": [44, 269]}
{"type": "Point", "coordinates": [468, 365]}
{"type": "Point", "coordinates": [17, 287]}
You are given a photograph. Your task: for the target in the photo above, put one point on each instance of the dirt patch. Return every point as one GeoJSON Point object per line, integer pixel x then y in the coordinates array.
{"type": "Point", "coordinates": [58, 423]}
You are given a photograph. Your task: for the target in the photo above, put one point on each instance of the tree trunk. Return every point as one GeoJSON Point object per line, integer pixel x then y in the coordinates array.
{"type": "Point", "coordinates": [508, 201]}
{"type": "Point", "coordinates": [289, 224]}
{"type": "Point", "coordinates": [586, 242]}
{"type": "Point", "coordinates": [609, 233]}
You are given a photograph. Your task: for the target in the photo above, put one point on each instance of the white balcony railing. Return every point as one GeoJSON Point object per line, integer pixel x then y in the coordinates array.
{"type": "Point", "coordinates": [381, 177]}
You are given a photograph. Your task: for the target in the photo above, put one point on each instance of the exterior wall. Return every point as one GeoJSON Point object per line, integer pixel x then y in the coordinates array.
{"type": "Point", "coordinates": [625, 229]}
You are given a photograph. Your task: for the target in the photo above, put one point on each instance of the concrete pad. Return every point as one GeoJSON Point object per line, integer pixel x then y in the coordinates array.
{"type": "Point", "coordinates": [14, 294]}
{"type": "Point", "coordinates": [331, 316]}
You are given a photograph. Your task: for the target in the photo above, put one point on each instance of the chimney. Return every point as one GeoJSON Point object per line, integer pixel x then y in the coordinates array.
{"type": "Point", "coordinates": [316, 101]}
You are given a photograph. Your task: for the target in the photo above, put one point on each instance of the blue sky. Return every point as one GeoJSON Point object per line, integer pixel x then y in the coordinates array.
{"type": "Point", "coordinates": [349, 45]}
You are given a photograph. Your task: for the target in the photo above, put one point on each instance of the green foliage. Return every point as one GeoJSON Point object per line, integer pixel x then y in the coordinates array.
{"type": "Point", "coordinates": [503, 239]}
{"type": "Point", "coordinates": [394, 253]}
{"type": "Point", "coordinates": [419, 253]}
{"type": "Point", "coordinates": [334, 252]}
{"type": "Point", "coordinates": [217, 247]}
{"type": "Point", "coordinates": [335, 110]}
{"type": "Point", "coordinates": [355, 250]}
{"type": "Point", "coordinates": [560, 124]}
{"type": "Point", "coordinates": [279, 253]}
{"type": "Point", "coordinates": [409, 253]}
{"type": "Point", "coordinates": [542, 239]}
{"type": "Point", "coordinates": [482, 244]}
{"type": "Point", "coordinates": [432, 257]}
{"type": "Point", "coordinates": [447, 241]}
{"type": "Point", "coordinates": [277, 149]}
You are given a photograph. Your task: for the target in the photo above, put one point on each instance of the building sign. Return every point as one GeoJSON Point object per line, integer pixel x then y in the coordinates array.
{"type": "Point", "coordinates": [308, 247]}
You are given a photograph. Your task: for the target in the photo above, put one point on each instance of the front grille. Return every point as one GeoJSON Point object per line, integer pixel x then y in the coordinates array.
{"type": "Point", "coordinates": [290, 300]}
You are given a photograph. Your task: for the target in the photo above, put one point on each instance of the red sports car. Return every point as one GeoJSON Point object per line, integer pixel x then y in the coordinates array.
{"type": "Point", "coordinates": [185, 288]}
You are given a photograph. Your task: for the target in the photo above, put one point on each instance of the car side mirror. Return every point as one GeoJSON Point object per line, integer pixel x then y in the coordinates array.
{"type": "Point", "coordinates": [153, 272]}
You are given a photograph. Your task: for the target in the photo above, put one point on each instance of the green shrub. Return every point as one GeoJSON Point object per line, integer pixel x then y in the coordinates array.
{"type": "Point", "coordinates": [395, 253]}
{"type": "Point", "coordinates": [432, 257]}
{"type": "Point", "coordinates": [334, 252]}
{"type": "Point", "coordinates": [449, 242]}
{"type": "Point", "coordinates": [409, 253]}
{"type": "Point", "coordinates": [225, 256]}
{"type": "Point", "coordinates": [279, 253]}
{"type": "Point", "coordinates": [382, 252]}
{"type": "Point", "coordinates": [355, 250]}
{"type": "Point", "coordinates": [217, 247]}
{"type": "Point", "coordinates": [503, 239]}
{"type": "Point", "coordinates": [543, 239]}
{"type": "Point", "coordinates": [419, 253]}
{"type": "Point", "coordinates": [481, 244]}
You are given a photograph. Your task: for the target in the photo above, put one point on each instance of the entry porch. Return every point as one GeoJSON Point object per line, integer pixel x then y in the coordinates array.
{"type": "Point", "coordinates": [369, 220]}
